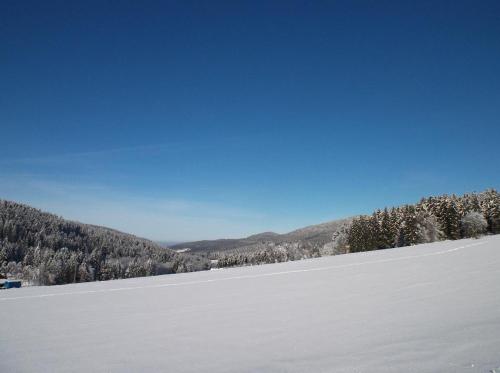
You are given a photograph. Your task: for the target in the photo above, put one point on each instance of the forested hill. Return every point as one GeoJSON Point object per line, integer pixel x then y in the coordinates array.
{"type": "Point", "coordinates": [45, 249]}
{"type": "Point", "coordinates": [446, 217]}
{"type": "Point", "coordinates": [313, 236]}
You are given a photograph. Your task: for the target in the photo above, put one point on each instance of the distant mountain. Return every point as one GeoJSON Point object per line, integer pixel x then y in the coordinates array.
{"type": "Point", "coordinates": [314, 235]}
{"type": "Point", "coordinates": [263, 236]}
{"type": "Point", "coordinates": [167, 244]}
{"type": "Point", "coordinates": [319, 233]}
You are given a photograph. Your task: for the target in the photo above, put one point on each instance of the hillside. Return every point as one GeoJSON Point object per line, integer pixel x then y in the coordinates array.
{"type": "Point", "coordinates": [319, 233]}
{"type": "Point", "coordinates": [426, 308]}
{"type": "Point", "coordinates": [314, 235]}
{"type": "Point", "coordinates": [45, 249]}
{"type": "Point", "coordinates": [433, 218]}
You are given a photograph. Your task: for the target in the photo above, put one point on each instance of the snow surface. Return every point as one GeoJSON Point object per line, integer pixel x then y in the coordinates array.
{"type": "Point", "coordinates": [426, 308]}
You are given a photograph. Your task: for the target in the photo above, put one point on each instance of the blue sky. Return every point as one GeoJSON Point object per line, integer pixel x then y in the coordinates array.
{"type": "Point", "coordinates": [181, 120]}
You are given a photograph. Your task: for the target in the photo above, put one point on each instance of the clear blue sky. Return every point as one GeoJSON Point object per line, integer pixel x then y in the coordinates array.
{"type": "Point", "coordinates": [180, 120]}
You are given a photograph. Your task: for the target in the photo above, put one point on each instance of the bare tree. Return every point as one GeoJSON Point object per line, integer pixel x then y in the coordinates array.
{"type": "Point", "coordinates": [473, 224]}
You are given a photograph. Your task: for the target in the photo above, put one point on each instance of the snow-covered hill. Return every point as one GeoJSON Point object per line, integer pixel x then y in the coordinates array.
{"type": "Point", "coordinates": [426, 308]}
{"type": "Point", "coordinates": [318, 235]}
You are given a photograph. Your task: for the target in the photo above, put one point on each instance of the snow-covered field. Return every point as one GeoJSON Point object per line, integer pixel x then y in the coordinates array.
{"type": "Point", "coordinates": [427, 308]}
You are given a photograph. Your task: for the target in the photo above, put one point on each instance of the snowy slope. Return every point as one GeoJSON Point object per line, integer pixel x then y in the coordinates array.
{"type": "Point", "coordinates": [427, 308]}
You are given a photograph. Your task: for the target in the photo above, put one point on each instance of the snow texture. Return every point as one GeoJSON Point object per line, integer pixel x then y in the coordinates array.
{"type": "Point", "coordinates": [426, 308]}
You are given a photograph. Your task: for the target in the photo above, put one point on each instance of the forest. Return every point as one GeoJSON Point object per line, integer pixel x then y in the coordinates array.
{"type": "Point", "coordinates": [432, 219]}
{"type": "Point", "coordinates": [44, 249]}
{"type": "Point", "coordinates": [446, 217]}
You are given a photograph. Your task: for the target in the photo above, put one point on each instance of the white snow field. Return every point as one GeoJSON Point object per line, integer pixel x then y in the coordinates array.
{"type": "Point", "coordinates": [426, 308]}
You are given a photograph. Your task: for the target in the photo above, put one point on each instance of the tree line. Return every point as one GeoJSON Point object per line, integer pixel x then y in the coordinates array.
{"type": "Point", "coordinates": [268, 252]}
{"type": "Point", "coordinates": [447, 217]}
{"type": "Point", "coordinates": [432, 219]}
{"type": "Point", "coordinates": [44, 249]}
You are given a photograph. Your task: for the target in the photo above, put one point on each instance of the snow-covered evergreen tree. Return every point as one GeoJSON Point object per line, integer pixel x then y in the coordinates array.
{"type": "Point", "coordinates": [388, 229]}
{"type": "Point", "coordinates": [490, 207]}
{"type": "Point", "coordinates": [448, 217]}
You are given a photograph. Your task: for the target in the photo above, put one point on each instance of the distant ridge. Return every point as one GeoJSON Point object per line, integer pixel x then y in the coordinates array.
{"type": "Point", "coordinates": [318, 235]}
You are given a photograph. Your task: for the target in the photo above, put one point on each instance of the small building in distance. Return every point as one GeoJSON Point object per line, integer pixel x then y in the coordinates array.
{"type": "Point", "coordinates": [9, 284]}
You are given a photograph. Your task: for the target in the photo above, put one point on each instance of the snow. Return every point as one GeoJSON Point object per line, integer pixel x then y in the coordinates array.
{"type": "Point", "coordinates": [426, 308]}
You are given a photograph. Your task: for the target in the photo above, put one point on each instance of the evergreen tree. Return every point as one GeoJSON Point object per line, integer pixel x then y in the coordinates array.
{"type": "Point", "coordinates": [359, 237]}
{"type": "Point", "coordinates": [388, 229]}
{"type": "Point", "coordinates": [448, 218]}
{"type": "Point", "coordinates": [374, 238]}
{"type": "Point", "coordinates": [468, 203]}
{"type": "Point", "coordinates": [490, 207]}
{"type": "Point", "coordinates": [408, 230]}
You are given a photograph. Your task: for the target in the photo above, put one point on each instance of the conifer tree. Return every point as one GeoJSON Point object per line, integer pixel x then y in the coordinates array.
{"type": "Point", "coordinates": [490, 207]}
{"type": "Point", "coordinates": [359, 238]}
{"type": "Point", "coordinates": [388, 229]}
{"type": "Point", "coordinates": [374, 238]}
{"type": "Point", "coordinates": [408, 230]}
{"type": "Point", "coordinates": [448, 218]}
